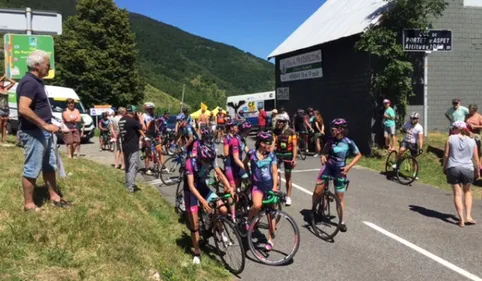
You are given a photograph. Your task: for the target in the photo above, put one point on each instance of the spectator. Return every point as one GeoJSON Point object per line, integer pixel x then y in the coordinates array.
{"type": "Point", "coordinates": [457, 112]}
{"type": "Point", "coordinates": [474, 122]}
{"type": "Point", "coordinates": [274, 113]}
{"type": "Point", "coordinates": [460, 151]}
{"type": "Point", "coordinates": [119, 156]}
{"type": "Point", "coordinates": [319, 127]}
{"type": "Point", "coordinates": [72, 118]}
{"type": "Point", "coordinates": [203, 119]}
{"type": "Point", "coordinates": [389, 125]}
{"type": "Point", "coordinates": [130, 131]}
{"type": "Point", "coordinates": [262, 119]}
{"type": "Point", "coordinates": [4, 109]}
{"type": "Point", "coordinates": [35, 121]}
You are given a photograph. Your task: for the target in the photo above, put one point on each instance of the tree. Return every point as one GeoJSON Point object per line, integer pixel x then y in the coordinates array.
{"type": "Point", "coordinates": [393, 77]}
{"type": "Point", "coordinates": [97, 55]}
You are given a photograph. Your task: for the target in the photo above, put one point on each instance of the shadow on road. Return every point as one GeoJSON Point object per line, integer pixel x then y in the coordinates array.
{"type": "Point", "coordinates": [307, 218]}
{"type": "Point", "coordinates": [434, 214]}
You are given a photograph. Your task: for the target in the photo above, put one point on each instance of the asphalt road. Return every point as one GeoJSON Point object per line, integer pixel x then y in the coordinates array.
{"type": "Point", "coordinates": [394, 232]}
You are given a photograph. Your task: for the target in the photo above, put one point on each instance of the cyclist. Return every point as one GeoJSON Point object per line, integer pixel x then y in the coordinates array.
{"type": "Point", "coordinates": [285, 142]}
{"type": "Point", "coordinates": [335, 153]}
{"type": "Point", "coordinates": [104, 126]}
{"type": "Point", "coordinates": [413, 139]}
{"type": "Point", "coordinates": [188, 134]}
{"type": "Point", "coordinates": [196, 191]}
{"type": "Point", "coordinates": [240, 116]}
{"type": "Point", "coordinates": [264, 168]}
{"type": "Point", "coordinates": [233, 166]}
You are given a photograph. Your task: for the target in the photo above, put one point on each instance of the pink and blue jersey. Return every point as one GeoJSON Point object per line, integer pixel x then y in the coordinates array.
{"type": "Point", "coordinates": [234, 147]}
{"type": "Point", "coordinates": [340, 150]}
{"type": "Point", "coordinates": [262, 171]}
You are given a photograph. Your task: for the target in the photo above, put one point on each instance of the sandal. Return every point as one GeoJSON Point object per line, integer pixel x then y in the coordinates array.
{"type": "Point", "coordinates": [471, 222]}
{"type": "Point", "coordinates": [62, 203]}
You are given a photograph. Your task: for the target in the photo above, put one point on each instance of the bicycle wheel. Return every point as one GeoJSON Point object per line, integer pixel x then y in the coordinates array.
{"type": "Point", "coordinates": [327, 217]}
{"type": "Point", "coordinates": [391, 160]}
{"type": "Point", "coordinates": [229, 245]}
{"type": "Point", "coordinates": [407, 170]}
{"type": "Point", "coordinates": [284, 234]}
{"type": "Point", "coordinates": [243, 205]}
{"type": "Point", "coordinates": [173, 173]}
{"type": "Point", "coordinates": [180, 205]}
{"type": "Point", "coordinates": [302, 149]}
{"type": "Point", "coordinates": [110, 146]}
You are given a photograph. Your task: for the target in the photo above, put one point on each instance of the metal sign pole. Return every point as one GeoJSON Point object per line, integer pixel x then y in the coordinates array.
{"type": "Point", "coordinates": [425, 94]}
{"type": "Point", "coordinates": [182, 99]}
{"type": "Point", "coordinates": [28, 14]}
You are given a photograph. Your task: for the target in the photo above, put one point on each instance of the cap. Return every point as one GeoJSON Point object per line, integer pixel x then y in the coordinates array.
{"type": "Point", "coordinates": [455, 100]}
{"type": "Point", "coordinates": [386, 101]}
{"type": "Point", "coordinates": [131, 108]}
{"type": "Point", "coordinates": [459, 125]}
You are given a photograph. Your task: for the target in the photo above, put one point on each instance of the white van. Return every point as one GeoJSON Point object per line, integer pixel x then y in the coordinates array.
{"type": "Point", "coordinates": [58, 100]}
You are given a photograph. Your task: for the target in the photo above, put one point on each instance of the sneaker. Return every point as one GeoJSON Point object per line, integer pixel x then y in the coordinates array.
{"type": "Point", "coordinates": [288, 201]}
{"type": "Point", "coordinates": [197, 259]}
{"type": "Point", "coordinates": [225, 238]}
{"type": "Point", "coordinates": [316, 155]}
{"type": "Point", "coordinates": [416, 178]}
{"type": "Point", "coordinates": [269, 245]}
{"type": "Point", "coordinates": [149, 172]}
{"type": "Point", "coordinates": [165, 170]}
{"type": "Point", "coordinates": [343, 227]}
{"type": "Point", "coordinates": [394, 166]}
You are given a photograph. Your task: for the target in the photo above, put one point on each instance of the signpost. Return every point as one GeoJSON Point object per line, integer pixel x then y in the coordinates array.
{"type": "Point", "coordinates": [27, 21]}
{"type": "Point", "coordinates": [19, 46]}
{"type": "Point", "coordinates": [416, 40]}
{"type": "Point", "coordinates": [98, 110]}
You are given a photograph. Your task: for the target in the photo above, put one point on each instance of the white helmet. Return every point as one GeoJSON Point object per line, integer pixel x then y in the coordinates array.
{"type": "Point", "coordinates": [149, 105]}
{"type": "Point", "coordinates": [414, 115]}
{"type": "Point", "coordinates": [283, 117]}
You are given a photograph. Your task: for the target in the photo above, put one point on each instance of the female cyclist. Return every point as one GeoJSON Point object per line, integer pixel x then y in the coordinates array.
{"type": "Point", "coordinates": [264, 169]}
{"type": "Point", "coordinates": [319, 127]}
{"type": "Point", "coordinates": [335, 153]}
{"type": "Point", "coordinates": [233, 165]}
{"type": "Point", "coordinates": [197, 191]}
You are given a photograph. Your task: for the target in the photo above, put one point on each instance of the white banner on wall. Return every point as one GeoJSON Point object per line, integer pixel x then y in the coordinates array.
{"type": "Point", "coordinates": [300, 67]}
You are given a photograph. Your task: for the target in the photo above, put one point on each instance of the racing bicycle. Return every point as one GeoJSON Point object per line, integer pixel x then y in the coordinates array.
{"type": "Point", "coordinates": [406, 168]}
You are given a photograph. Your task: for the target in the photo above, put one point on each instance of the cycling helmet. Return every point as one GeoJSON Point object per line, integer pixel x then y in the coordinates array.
{"type": "Point", "coordinates": [207, 133]}
{"type": "Point", "coordinates": [180, 117]}
{"type": "Point", "coordinates": [301, 111]}
{"type": "Point", "coordinates": [339, 123]}
{"type": "Point", "coordinates": [245, 126]}
{"type": "Point", "coordinates": [264, 137]}
{"type": "Point", "coordinates": [283, 117]}
{"type": "Point", "coordinates": [310, 109]}
{"type": "Point", "coordinates": [149, 105]}
{"type": "Point", "coordinates": [241, 112]}
{"type": "Point", "coordinates": [414, 115]}
{"type": "Point", "coordinates": [206, 153]}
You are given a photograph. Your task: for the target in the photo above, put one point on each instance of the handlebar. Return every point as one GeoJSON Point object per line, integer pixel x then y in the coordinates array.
{"type": "Point", "coordinates": [274, 197]}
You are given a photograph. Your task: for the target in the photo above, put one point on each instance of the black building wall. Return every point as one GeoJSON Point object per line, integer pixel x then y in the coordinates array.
{"type": "Point", "coordinates": [342, 92]}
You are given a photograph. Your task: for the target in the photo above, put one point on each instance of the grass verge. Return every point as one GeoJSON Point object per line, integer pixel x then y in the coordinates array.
{"type": "Point", "coordinates": [108, 234]}
{"type": "Point", "coordinates": [430, 163]}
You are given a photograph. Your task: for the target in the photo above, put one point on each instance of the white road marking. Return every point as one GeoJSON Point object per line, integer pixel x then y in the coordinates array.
{"type": "Point", "coordinates": [307, 170]}
{"type": "Point", "coordinates": [156, 181]}
{"type": "Point", "coordinates": [424, 252]}
{"type": "Point", "coordinates": [299, 187]}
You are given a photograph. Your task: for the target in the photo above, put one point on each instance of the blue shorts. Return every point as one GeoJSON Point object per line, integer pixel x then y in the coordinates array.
{"type": "Point", "coordinates": [39, 153]}
{"type": "Point", "coordinates": [332, 172]}
{"type": "Point", "coordinates": [191, 202]}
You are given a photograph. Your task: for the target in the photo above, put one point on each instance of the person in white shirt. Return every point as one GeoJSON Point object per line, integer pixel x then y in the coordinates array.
{"type": "Point", "coordinates": [148, 115]}
{"type": "Point", "coordinates": [413, 139]}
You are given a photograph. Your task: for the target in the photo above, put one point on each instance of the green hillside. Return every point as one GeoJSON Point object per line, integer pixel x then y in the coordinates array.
{"type": "Point", "coordinates": [161, 99]}
{"type": "Point", "coordinates": [170, 57]}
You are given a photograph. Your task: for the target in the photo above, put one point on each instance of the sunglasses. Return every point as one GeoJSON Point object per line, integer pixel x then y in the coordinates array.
{"type": "Point", "coordinates": [455, 103]}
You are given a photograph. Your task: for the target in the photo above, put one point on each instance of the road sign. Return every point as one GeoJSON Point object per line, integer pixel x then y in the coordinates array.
{"type": "Point", "coordinates": [26, 20]}
{"type": "Point", "coordinates": [416, 40]}
{"type": "Point", "coordinates": [283, 93]}
{"type": "Point", "coordinates": [19, 46]}
{"type": "Point", "coordinates": [98, 111]}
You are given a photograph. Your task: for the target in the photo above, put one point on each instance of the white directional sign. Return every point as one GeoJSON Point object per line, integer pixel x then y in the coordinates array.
{"type": "Point", "coordinates": [19, 21]}
{"type": "Point", "coordinates": [98, 111]}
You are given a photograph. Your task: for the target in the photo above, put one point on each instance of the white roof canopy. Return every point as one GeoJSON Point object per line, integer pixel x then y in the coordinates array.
{"type": "Point", "coordinates": [333, 20]}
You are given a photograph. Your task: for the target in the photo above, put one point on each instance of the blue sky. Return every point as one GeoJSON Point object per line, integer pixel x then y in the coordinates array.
{"type": "Point", "coordinates": [257, 27]}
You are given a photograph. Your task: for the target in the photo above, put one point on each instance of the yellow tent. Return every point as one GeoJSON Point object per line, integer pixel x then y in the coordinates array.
{"type": "Point", "coordinates": [198, 113]}
{"type": "Point", "coordinates": [216, 110]}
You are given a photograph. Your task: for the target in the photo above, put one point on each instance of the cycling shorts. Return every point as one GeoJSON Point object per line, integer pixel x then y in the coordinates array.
{"type": "Point", "coordinates": [220, 127]}
{"type": "Point", "coordinates": [334, 172]}
{"type": "Point", "coordinates": [234, 174]}
{"type": "Point", "coordinates": [260, 189]}
{"type": "Point", "coordinates": [281, 157]}
{"type": "Point", "coordinates": [191, 202]}
{"type": "Point", "coordinates": [413, 147]}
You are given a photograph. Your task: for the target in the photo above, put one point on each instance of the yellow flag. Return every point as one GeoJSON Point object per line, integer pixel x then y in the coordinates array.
{"type": "Point", "coordinates": [203, 106]}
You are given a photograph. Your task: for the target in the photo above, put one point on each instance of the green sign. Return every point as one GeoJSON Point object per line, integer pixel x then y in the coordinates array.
{"type": "Point", "coordinates": [19, 46]}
